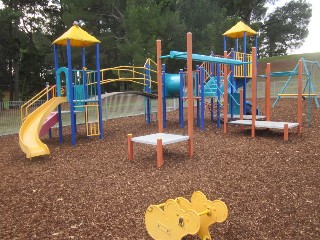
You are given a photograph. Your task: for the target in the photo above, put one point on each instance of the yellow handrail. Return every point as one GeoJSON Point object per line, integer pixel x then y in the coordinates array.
{"type": "Point", "coordinates": [134, 74]}
{"type": "Point", "coordinates": [45, 92]}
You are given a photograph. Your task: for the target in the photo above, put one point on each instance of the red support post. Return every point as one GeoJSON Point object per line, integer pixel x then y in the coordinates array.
{"type": "Point", "coordinates": [130, 147]}
{"type": "Point", "coordinates": [254, 91]}
{"type": "Point", "coordinates": [159, 153]}
{"type": "Point", "coordinates": [159, 80]}
{"type": "Point", "coordinates": [190, 93]}
{"type": "Point", "coordinates": [286, 132]}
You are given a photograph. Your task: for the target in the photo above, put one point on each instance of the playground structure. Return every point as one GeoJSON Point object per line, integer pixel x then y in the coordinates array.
{"type": "Point", "coordinates": [268, 124]}
{"type": "Point", "coordinates": [309, 89]}
{"type": "Point", "coordinates": [221, 79]}
{"type": "Point", "coordinates": [233, 69]}
{"type": "Point", "coordinates": [162, 138]}
{"type": "Point", "coordinates": [207, 80]}
{"type": "Point", "coordinates": [80, 88]}
{"type": "Point", "coordinates": [178, 217]}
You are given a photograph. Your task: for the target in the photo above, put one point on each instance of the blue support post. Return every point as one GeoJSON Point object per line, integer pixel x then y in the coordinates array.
{"type": "Point", "coordinates": [70, 97]}
{"type": "Point", "coordinates": [84, 73]}
{"type": "Point", "coordinates": [49, 97]}
{"type": "Point", "coordinates": [244, 72]}
{"type": "Point", "coordinates": [164, 102]}
{"type": "Point", "coordinates": [224, 43]}
{"type": "Point", "coordinates": [211, 109]}
{"type": "Point", "coordinates": [218, 95]}
{"type": "Point", "coordinates": [181, 95]}
{"type": "Point", "coordinates": [212, 71]}
{"type": "Point", "coordinates": [99, 89]}
{"type": "Point", "coordinates": [147, 88]}
{"type": "Point", "coordinates": [197, 82]}
{"type": "Point", "coordinates": [237, 45]}
{"type": "Point", "coordinates": [202, 97]}
{"type": "Point", "coordinates": [309, 91]}
{"type": "Point", "coordinates": [56, 66]}
{"type": "Point", "coordinates": [232, 84]}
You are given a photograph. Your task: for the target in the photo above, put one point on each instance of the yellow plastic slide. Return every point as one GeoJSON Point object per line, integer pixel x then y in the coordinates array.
{"type": "Point", "coordinates": [29, 132]}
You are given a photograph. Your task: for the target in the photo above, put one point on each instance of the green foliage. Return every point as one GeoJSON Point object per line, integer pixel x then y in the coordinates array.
{"type": "Point", "coordinates": [287, 27]}
{"type": "Point", "coordinates": [128, 30]}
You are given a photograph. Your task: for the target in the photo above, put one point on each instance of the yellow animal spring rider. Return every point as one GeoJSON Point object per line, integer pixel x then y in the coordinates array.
{"type": "Point", "coordinates": [178, 217]}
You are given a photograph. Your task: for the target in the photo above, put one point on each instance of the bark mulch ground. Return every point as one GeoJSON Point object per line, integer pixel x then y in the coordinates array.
{"type": "Point", "coordinates": [92, 191]}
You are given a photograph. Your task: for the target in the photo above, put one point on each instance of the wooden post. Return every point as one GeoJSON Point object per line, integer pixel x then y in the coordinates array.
{"type": "Point", "coordinates": [159, 153]}
{"type": "Point", "coordinates": [299, 131]}
{"type": "Point", "coordinates": [225, 95]}
{"type": "Point", "coordinates": [286, 132]}
{"type": "Point", "coordinates": [267, 92]}
{"type": "Point", "coordinates": [130, 147]}
{"type": "Point", "coordinates": [254, 91]}
{"type": "Point", "coordinates": [159, 80]}
{"type": "Point", "coordinates": [190, 93]}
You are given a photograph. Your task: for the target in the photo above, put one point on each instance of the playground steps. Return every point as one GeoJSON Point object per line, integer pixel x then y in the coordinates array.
{"type": "Point", "coordinates": [210, 88]}
{"type": "Point", "coordinates": [178, 217]}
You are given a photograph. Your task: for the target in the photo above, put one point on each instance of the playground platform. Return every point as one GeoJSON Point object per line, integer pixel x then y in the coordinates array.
{"type": "Point", "coordinates": [265, 124]}
{"type": "Point", "coordinates": [245, 117]}
{"type": "Point", "coordinates": [166, 138]}
{"type": "Point", "coordinates": [285, 126]}
{"type": "Point", "coordinates": [157, 139]}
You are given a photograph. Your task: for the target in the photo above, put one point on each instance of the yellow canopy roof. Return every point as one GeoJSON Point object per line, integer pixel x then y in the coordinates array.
{"type": "Point", "coordinates": [238, 30]}
{"type": "Point", "coordinates": [78, 38]}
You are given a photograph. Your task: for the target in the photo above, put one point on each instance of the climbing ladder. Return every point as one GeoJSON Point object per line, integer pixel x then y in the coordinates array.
{"type": "Point", "coordinates": [92, 119]}
{"type": "Point", "coordinates": [309, 89]}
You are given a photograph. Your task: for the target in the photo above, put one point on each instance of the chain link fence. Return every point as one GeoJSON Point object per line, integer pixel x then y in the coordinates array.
{"type": "Point", "coordinates": [117, 105]}
{"type": "Point", "coordinates": [114, 105]}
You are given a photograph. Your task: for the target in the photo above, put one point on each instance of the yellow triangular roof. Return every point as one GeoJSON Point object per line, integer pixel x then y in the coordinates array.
{"type": "Point", "coordinates": [238, 30]}
{"type": "Point", "coordinates": [78, 38]}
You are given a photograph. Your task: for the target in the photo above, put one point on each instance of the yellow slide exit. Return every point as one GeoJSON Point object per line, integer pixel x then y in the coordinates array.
{"type": "Point", "coordinates": [29, 140]}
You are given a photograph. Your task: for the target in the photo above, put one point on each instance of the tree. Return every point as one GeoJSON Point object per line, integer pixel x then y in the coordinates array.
{"type": "Point", "coordinates": [9, 49]}
{"type": "Point", "coordinates": [24, 20]}
{"type": "Point", "coordinates": [248, 11]}
{"type": "Point", "coordinates": [286, 28]}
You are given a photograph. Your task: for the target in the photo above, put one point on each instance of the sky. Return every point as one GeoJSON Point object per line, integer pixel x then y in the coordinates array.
{"type": "Point", "coordinates": [312, 43]}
